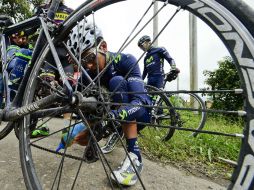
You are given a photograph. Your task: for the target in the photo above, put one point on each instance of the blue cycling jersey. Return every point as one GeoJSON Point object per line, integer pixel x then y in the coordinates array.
{"type": "Point", "coordinates": [122, 64]}
{"type": "Point", "coordinates": [154, 61]}
{"type": "Point", "coordinates": [17, 61]}
{"type": "Point", "coordinates": [125, 65]}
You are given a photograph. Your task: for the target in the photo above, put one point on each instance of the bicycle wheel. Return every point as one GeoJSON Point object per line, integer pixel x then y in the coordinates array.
{"type": "Point", "coordinates": [162, 115]}
{"type": "Point", "coordinates": [233, 22]}
{"type": "Point", "coordinates": [194, 118]}
{"type": "Point", "coordinates": [6, 128]}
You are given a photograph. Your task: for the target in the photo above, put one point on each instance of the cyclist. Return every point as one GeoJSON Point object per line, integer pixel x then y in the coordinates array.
{"type": "Point", "coordinates": [18, 55]}
{"type": "Point", "coordinates": [61, 14]}
{"type": "Point", "coordinates": [154, 62]}
{"type": "Point", "coordinates": [113, 78]}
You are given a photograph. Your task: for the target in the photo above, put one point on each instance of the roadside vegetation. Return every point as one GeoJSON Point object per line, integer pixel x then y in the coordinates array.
{"type": "Point", "coordinates": [197, 154]}
{"type": "Point", "coordinates": [19, 10]}
{"type": "Point", "coordinates": [206, 152]}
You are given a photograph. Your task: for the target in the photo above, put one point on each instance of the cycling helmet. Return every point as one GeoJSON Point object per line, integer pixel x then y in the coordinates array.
{"type": "Point", "coordinates": [143, 39]}
{"type": "Point", "coordinates": [82, 37]}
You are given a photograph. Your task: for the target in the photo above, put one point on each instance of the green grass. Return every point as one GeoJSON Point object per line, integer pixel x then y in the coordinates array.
{"type": "Point", "coordinates": [200, 153]}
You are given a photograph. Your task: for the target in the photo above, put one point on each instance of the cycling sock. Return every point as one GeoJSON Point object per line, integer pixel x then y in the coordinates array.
{"type": "Point", "coordinates": [132, 146]}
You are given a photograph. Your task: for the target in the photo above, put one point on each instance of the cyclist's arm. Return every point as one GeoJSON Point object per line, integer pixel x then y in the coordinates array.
{"type": "Point", "coordinates": [144, 73]}
{"type": "Point", "coordinates": [166, 56]}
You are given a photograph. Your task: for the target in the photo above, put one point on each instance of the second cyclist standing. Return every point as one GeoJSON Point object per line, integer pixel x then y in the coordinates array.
{"type": "Point", "coordinates": [154, 62]}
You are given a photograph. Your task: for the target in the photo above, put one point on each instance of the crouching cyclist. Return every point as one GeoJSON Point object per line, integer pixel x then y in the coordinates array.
{"type": "Point", "coordinates": [122, 75]}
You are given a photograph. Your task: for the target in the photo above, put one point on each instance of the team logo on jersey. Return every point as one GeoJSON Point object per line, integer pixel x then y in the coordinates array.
{"type": "Point", "coordinates": [117, 58]}
{"type": "Point", "coordinates": [61, 16]}
{"type": "Point", "coordinates": [123, 114]}
{"type": "Point", "coordinates": [149, 60]}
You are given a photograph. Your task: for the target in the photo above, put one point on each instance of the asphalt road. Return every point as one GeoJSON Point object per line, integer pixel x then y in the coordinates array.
{"type": "Point", "coordinates": [155, 175]}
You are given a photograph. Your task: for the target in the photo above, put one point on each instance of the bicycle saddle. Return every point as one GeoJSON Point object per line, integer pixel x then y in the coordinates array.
{"type": "Point", "coordinates": [5, 21]}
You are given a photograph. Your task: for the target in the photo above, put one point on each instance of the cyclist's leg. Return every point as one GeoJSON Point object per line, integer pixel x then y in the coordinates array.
{"type": "Point", "coordinates": [125, 174]}
{"type": "Point", "coordinates": [130, 133]}
{"type": "Point", "coordinates": [156, 81]}
{"type": "Point", "coordinates": [118, 98]}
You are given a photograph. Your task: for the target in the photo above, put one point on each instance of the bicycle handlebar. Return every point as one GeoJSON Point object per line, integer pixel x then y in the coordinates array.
{"type": "Point", "coordinates": [34, 22]}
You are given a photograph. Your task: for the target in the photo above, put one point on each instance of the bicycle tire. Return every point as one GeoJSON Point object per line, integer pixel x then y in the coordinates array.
{"type": "Point", "coordinates": [6, 130]}
{"type": "Point", "coordinates": [237, 26]}
{"type": "Point", "coordinates": [204, 114]}
{"type": "Point", "coordinates": [163, 133]}
{"type": "Point", "coordinates": [201, 109]}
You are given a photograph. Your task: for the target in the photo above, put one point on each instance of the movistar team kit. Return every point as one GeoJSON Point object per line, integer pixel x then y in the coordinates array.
{"type": "Point", "coordinates": [18, 57]}
{"type": "Point", "coordinates": [122, 65]}
{"type": "Point", "coordinates": [17, 62]}
{"type": "Point", "coordinates": [154, 65]}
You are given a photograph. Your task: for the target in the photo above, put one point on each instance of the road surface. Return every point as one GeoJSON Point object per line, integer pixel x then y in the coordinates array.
{"type": "Point", "coordinates": [155, 175]}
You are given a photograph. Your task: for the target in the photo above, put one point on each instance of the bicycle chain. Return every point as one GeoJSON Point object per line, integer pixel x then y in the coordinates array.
{"type": "Point", "coordinates": [59, 153]}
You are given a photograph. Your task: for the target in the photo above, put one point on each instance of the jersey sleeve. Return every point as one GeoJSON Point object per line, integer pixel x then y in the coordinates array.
{"type": "Point", "coordinates": [144, 72]}
{"type": "Point", "coordinates": [129, 66]}
{"type": "Point", "coordinates": [166, 55]}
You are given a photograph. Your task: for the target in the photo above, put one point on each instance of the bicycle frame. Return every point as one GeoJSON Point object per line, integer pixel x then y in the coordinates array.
{"type": "Point", "coordinates": [14, 110]}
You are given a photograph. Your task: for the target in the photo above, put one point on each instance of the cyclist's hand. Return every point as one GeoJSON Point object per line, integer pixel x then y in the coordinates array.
{"type": "Point", "coordinates": [175, 70]}
{"type": "Point", "coordinates": [112, 114]}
